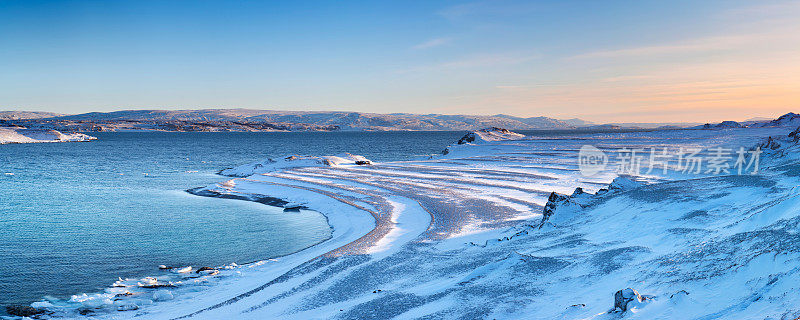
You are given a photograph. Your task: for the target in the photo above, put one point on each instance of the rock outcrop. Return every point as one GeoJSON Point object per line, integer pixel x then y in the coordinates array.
{"type": "Point", "coordinates": [23, 311]}
{"type": "Point", "coordinates": [568, 205]}
{"type": "Point", "coordinates": [627, 299]}
{"type": "Point", "coordinates": [482, 136]}
{"type": "Point", "coordinates": [490, 134]}
{"type": "Point", "coordinates": [772, 144]}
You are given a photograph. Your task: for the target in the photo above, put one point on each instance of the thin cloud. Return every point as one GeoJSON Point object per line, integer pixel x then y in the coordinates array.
{"type": "Point", "coordinates": [510, 87]}
{"type": "Point", "coordinates": [780, 19]}
{"type": "Point", "coordinates": [691, 46]}
{"type": "Point", "coordinates": [626, 78]}
{"type": "Point", "coordinates": [476, 61]}
{"type": "Point", "coordinates": [487, 61]}
{"type": "Point", "coordinates": [432, 43]}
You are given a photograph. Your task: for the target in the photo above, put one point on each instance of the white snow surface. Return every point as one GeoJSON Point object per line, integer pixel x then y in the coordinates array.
{"type": "Point", "coordinates": [23, 135]}
{"type": "Point", "coordinates": [490, 134]}
{"type": "Point", "coordinates": [294, 161]}
{"type": "Point", "coordinates": [697, 246]}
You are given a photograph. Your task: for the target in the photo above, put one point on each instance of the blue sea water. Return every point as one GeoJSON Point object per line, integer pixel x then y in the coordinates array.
{"type": "Point", "coordinates": [76, 216]}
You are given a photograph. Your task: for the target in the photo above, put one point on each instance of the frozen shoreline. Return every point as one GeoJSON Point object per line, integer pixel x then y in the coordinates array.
{"type": "Point", "coordinates": [379, 216]}
{"type": "Point", "coordinates": [9, 135]}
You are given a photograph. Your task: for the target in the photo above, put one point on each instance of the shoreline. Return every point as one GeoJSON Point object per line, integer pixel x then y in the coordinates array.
{"type": "Point", "coordinates": [226, 268]}
{"type": "Point", "coordinates": [465, 201]}
{"type": "Point", "coordinates": [348, 225]}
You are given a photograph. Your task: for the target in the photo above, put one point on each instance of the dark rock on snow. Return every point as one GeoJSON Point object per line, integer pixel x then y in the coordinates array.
{"type": "Point", "coordinates": [625, 296]}
{"type": "Point", "coordinates": [23, 311]}
{"type": "Point", "coordinates": [204, 269]}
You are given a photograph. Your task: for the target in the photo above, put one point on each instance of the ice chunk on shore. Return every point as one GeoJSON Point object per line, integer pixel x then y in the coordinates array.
{"type": "Point", "coordinates": [295, 161]}
{"type": "Point", "coordinates": [162, 295]}
{"type": "Point", "coordinates": [23, 135]}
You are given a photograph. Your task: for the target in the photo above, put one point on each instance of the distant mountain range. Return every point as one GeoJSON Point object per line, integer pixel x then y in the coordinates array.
{"type": "Point", "coordinates": [269, 120]}
{"type": "Point", "coordinates": [341, 120]}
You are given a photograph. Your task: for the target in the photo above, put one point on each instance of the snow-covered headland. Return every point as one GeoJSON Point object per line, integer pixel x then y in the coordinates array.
{"type": "Point", "coordinates": [495, 228]}
{"type": "Point", "coordinates": [24, 135]}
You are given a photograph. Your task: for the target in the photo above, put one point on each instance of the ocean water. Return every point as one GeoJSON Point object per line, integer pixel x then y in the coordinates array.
{"type": "Point", "coordinates": [76, 216]}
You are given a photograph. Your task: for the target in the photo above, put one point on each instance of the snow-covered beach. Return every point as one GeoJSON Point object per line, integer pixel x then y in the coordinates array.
{"type": "Point", "coordinates": [25, 135]}
{"type": "Point", "coordinates": [460, 235]}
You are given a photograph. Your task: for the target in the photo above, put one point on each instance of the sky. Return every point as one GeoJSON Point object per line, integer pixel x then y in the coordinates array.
{"type": "Point", "coordinates": [603, 61]}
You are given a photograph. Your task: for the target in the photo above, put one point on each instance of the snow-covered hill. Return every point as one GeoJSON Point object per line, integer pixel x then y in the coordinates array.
{"type": "Point", "coordinates": [16, 115]}
{"type": "Point", "coordinates": [789, 120]}
{"type": "Point", "coordinates": [342, 120]}
{"type": "Point", "coordinates": [489, 135]}
{"type": "Point", "coordinates": [23, 135]}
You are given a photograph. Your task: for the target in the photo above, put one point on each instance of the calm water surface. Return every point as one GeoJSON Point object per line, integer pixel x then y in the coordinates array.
{"type": "Point", "coordinates": [75, 216]}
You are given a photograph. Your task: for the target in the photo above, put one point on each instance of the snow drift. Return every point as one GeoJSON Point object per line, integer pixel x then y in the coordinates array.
{"type": "Point", "coordinates": [23, 135]}
{"type": "Point", "coordinates": [490, 134]}
{"type": "Point", "coordinates": [294, 161]}
{"type": "Point", "coordinates": [483, 136]}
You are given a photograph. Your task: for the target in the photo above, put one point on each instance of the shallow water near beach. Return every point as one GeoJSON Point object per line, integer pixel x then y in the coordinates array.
{"type": "Point", "coordinates": [76, 216]}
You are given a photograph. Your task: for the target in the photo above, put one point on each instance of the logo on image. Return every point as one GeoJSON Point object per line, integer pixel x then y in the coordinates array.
{"type": "Point", "coordinates": [591, 160]}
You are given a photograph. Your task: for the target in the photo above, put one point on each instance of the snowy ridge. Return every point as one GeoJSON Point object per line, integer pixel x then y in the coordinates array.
{"type": "Point", "coordinates": [790, 120]}
{"type": "Point", "coordinates": [787, 120]}
{"type": "Point", "coordinates": [23, 135]}
{"type": "Point", "coordinates": [698, 247]}
{"type": "Point", "coordinates": [16, 115]}
{"type": "Point", "coordinates": [247, 120]}
{"type": "Point", "coordinates": [721, 125]}
{"type": "Point", "coordinates": [493, 134]}
{"type": "Point", "coordinates": [490, 134]}
{"type": "Point", "coordinates": [570, 206]}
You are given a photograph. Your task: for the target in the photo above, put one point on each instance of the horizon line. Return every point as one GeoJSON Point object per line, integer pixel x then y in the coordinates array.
{"type": "Point", "coordinates": [751, 118]}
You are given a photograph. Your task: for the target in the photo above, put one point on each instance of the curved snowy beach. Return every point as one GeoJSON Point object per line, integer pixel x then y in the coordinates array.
{"type": "Point", "coordinates": [450, 237]}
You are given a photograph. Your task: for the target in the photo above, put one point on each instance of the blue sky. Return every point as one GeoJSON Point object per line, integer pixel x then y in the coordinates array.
{"type": "Point", "coordinates": [598, 60]}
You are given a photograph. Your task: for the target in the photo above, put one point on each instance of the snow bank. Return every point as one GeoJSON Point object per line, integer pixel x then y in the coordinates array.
{"type": "Point", "coordinates": [561, 208]}
{"type": "Point", "coordinates": [483, 136]}
{"type": "Point", "coordinates": [295, 161]}
{"type": "Point", "coordinates": [721, 125]}
{"type": "Point", "coordinates": [23, 135]}
{"type": "Point", "coordinates": [490, 134]}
